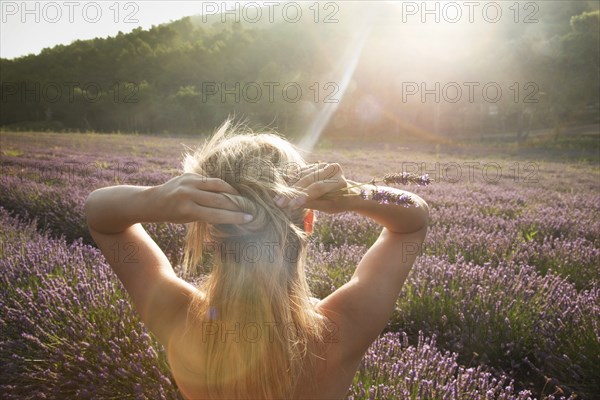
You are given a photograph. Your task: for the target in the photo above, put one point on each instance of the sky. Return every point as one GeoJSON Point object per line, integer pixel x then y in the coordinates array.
{"type": "Point", "coordinates": [29, 26]}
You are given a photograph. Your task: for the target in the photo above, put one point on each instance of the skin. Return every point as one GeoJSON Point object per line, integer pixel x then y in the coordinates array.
{"type": "Point", "coordinates": [359, 310]}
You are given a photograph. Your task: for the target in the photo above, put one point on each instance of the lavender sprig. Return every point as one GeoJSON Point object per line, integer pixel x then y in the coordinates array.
{"type": "Point", "coordinates": [385, 197]}
{"type": "Point", "coordinates": [405, 178]}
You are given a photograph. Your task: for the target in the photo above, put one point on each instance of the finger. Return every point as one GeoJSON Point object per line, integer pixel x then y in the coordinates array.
{"type": "Point", "coordinates": [314, 167]}
{"type": "Point", "coordinates": [316, 190]}
{"type": "Point", "coordinates": [309, 168]}
{"type": "Point", "coordinates": [220, 216]}
{"type": "Point", "coordinates": [310, 176]}
{"type": "Point", "coordinates": [213, 185]}
{"type": "Point", "coordinates": [283, 200]}
{"type": "Point", "coordinates": [327, 173]}
{"type": "Point", "coordinates": [302, 172]}
{"type": "Point", "coordinates": [213, 200]}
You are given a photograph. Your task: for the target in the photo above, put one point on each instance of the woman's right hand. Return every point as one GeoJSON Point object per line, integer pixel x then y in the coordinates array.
{"type": "Point", "coordinates": [192, 197]}
{"type": "Point", "coordinates": [316, 181]}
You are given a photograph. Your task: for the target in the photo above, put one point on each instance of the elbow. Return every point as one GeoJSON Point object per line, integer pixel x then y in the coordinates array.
{"type": "Point", "coordinates": [88, 208]}
{"type": "Point", "coordinates": [425, 213]}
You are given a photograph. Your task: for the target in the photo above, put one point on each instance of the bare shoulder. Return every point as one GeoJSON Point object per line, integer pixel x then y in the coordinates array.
{"type": "Point", "coordinates": [334, 373]}
{"type": "Point", "coordinates": [184, 355]}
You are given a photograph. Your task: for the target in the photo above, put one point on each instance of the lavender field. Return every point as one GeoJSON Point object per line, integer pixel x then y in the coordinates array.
{"type": "Point", "coordinates": [504, 302]}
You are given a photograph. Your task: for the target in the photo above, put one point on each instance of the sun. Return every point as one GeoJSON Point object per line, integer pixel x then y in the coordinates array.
{"type": "Point", "coordinates": [434, 36]}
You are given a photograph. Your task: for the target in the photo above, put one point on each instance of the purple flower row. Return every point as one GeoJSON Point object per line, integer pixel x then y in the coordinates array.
{"type": "Point", "coordinates": [67, 328]}
{"type": "Point", "coordinates": [489, 285]}
{"type": "Point", "coordinates": [393, 369]}
{"type": "Point", "coordinates": [70, 332]}
{"type": "Point", "coordinates": [509, 317]}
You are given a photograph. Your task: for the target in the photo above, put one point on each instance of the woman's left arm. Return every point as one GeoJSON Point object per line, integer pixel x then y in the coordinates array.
{"type": "Point", "coordinates": [114, 215]}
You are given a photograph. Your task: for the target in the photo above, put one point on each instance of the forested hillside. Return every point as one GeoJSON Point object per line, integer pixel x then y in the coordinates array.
{"type": "Point", "coordinates": [188, 75]}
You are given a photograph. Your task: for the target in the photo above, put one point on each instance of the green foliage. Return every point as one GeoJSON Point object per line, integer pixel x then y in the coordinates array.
{"type": "Point", "coordinates": [156, 80]}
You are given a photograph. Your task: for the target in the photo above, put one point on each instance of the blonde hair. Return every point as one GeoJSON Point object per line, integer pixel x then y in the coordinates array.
{"type": "Point", "coordinates": [257, 285]}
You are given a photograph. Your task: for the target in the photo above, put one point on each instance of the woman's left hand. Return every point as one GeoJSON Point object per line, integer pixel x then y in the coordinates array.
{"type": "Point", "coordinates": [317, 181]}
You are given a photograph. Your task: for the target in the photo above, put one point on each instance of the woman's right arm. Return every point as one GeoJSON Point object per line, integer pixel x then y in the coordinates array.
{"type": "Point", "coordinates": [397, 219]}
{"type": "Point", "coordinates": [319, 185]}
{"type": "Point", "coordinates": [362, 307]}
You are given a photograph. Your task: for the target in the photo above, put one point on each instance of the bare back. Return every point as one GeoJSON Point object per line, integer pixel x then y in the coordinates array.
{"type": "Point", "coordinates": [333, 371]}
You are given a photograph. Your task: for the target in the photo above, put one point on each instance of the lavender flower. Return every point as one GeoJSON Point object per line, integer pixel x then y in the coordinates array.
{"type": "Point", "coordinates": [386, 197]}
{"type": "Point", "coordinates": [67, 329]}
{"type": "Point", "coordinates": [404, 178]}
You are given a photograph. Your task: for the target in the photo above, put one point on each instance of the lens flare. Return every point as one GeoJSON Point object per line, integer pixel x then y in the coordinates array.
{"type": "Point", "coordinates": [345, 70]}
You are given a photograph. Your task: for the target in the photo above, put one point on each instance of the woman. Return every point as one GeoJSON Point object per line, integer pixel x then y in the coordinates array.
{"type": "Point", "coordinates": [251, 329]}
